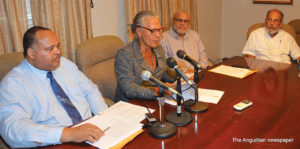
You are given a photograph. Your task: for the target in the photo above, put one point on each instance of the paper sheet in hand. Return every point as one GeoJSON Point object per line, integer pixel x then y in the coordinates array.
{"type": "Point", "coordinates": [232, 71]}
{"type": "Point", "coordinates": [123, 120]}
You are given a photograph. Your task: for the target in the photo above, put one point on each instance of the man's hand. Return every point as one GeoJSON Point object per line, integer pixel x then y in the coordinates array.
{"type": "Point", "coordinates": [85, 132]}
{"type": "Point", "coordinates": [166, 92]}
{"type": "Point", "coordinates": [183, 67]}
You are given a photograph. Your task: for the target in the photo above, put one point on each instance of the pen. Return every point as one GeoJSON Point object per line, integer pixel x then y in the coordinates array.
{"type": "Point", "coordinates": [106, 129]}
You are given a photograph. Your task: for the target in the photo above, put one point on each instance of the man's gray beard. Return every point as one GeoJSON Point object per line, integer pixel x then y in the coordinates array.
{"type": "Point", "coordinates": [178, 32]}
{"type": "Point", "coordinates": [181, 33]}
{"type": "Point", "coordinates": [271, 31]}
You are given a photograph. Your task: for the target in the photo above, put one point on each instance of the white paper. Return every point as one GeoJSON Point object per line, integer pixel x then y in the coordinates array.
{"type": "Point", "coordinates": [170, 101]}
{"type": "Point", "coordinates": [187, 94]}
{"type": "Point", "coordinates": [204, 95]}
{"type": "Point", "coordinates": [127, 111]}
{"type": "Point", "coordinates": [210, 96]}
{"type": "Point", "coordinates": [122, 119]}
{"type": "Point", "coordinates": [231, 71]}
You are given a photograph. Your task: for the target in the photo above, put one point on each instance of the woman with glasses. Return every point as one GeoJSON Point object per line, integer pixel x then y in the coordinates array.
{"type": "Point", "coordinates": [143, 53]}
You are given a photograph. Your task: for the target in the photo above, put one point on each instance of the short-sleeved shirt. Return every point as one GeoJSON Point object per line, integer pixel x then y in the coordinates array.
{"type": "Point", "coordinates": [279, 48]}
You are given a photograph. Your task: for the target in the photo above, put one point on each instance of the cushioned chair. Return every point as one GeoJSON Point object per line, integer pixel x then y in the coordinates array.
{"type": "Point", "coordinates": [95, 57]}
{"type": "Point", "coordinates": [7, 62]}
{"type": "Point", "coordinates": [285, 27]}
{"type": "Point", "coordinates": [3, 145]}
{"type": "Point", "coordinates": [296, 25]}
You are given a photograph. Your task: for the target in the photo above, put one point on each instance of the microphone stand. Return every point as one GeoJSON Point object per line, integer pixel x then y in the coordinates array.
{"type": "Point", "coordinates": [162, 129]}
{"type": "Point", "coordinates": [195, 106]}
{"type": "Point", "coordinates": [179, 118]}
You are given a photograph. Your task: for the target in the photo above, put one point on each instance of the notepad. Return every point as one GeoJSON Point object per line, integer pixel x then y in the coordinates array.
{"type": "Point", "coordinates": [232, 71]}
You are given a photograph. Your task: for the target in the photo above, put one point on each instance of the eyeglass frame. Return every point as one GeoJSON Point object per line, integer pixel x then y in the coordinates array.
{"type": "Point", "coordinates": [181, 20]}
{"type": "Point", "coordinates": [271, 20]}
{"type": "Point", "coordinates": [152, 31]}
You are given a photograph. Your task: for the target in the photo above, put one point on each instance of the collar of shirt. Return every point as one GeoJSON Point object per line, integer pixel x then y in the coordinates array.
{"type": "Point", "coordinates": [267, 34]}
{"type": "Point", "coordinates": [40, 74]}
{"type": "Point", "coordinates": [175, 35]}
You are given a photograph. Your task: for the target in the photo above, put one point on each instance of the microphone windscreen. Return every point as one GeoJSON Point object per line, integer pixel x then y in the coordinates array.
{"type": "Point", "coordinates": [146, 75]}
{"type": "Point", "coordinates": [171, 62]}
{"type": "Point", "coordinates": [181, 54]}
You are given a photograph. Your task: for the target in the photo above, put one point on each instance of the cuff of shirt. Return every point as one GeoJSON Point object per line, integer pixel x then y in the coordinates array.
{"type": "Point", "coordinates": [55, 134]}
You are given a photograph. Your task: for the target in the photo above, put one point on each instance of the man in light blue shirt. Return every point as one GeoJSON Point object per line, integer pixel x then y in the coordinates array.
{"type": "Point", "coordinates": [30, 113]}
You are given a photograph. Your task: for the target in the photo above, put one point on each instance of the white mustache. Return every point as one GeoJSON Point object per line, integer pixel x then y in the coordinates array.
{"type": "Point", "coordinates": [271, 27]}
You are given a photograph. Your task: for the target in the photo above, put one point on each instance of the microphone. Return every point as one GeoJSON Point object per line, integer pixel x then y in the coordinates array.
{"type": "Point", "coordinates": [171, 62]}
{"type": "Point", "coordinates": [181, 54]}
{"type": "Point", "coordinates": [146, 75]}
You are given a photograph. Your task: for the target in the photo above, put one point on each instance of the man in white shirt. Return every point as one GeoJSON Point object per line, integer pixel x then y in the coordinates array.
{"type": "Point", "coordinates": [270, 42]}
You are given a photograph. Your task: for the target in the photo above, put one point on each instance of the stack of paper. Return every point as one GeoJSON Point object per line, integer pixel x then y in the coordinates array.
{"type": "Point", "coordinates": [232, 71]}
{"type": "Point", "coordinates": [120, 122]}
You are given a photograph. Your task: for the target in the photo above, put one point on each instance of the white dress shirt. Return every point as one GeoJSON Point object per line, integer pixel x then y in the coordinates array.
{"type": "Point", "coordinates": [261, 45]}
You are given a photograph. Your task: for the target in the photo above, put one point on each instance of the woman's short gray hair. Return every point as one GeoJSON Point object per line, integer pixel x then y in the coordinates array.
{"type": "Point", "coordinates": [138, 19]}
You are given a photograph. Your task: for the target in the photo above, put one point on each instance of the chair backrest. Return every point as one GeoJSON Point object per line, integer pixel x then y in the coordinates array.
{"type": "Point", "coordinates": [3, 144]}
{"type": "Point", "coordinates": [296, 25]}
{"type": "Point", "coordinates": [9, 61]}
{"type": "Point", "coordinates": [95, 57]}
{"type": "Point", "coordinates": [284, 27]}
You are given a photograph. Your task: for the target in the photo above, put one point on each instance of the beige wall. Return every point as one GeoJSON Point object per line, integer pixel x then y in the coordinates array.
{"type": "Point", "coordinates": [222, 24]}
{"type": "Point", "coordinates": [239, 15]}
{"type": "Point", "coordinates": [108, 18]}
{"type": "Point", "coordinates": [209, 26]}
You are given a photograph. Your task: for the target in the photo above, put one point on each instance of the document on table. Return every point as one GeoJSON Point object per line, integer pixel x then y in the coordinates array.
{"type": "Point", "coordinates": [120, 122]}
{"type": "Point", "coordinates": [127, 111]}
{"type": "Point", "coordinates": [232, 71]}
{"type": "Point", "coordinates": [204, 95]}
{"type": "Point", "coordinates": [210, 96]}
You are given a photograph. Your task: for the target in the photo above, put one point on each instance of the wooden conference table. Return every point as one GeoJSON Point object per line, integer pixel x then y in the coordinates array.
{"type": "Point", "coordinates": [273, 121]}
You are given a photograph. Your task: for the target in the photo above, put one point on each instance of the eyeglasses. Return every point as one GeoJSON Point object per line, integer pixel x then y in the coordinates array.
{"type": "Point", "coordinates": [275, 20]}
{"type": "Point", "coordinates": [181, 20]}
{"type": "Point", "coordinates": [159, 30]}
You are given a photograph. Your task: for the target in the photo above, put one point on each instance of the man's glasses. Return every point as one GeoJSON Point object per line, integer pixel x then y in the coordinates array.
{"type": "Point", "coordinates": [182, 21]}
{"type": "Point", "coordinates": [275, 20]}
{"type": "Point", "coordinates": [159, 30]}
